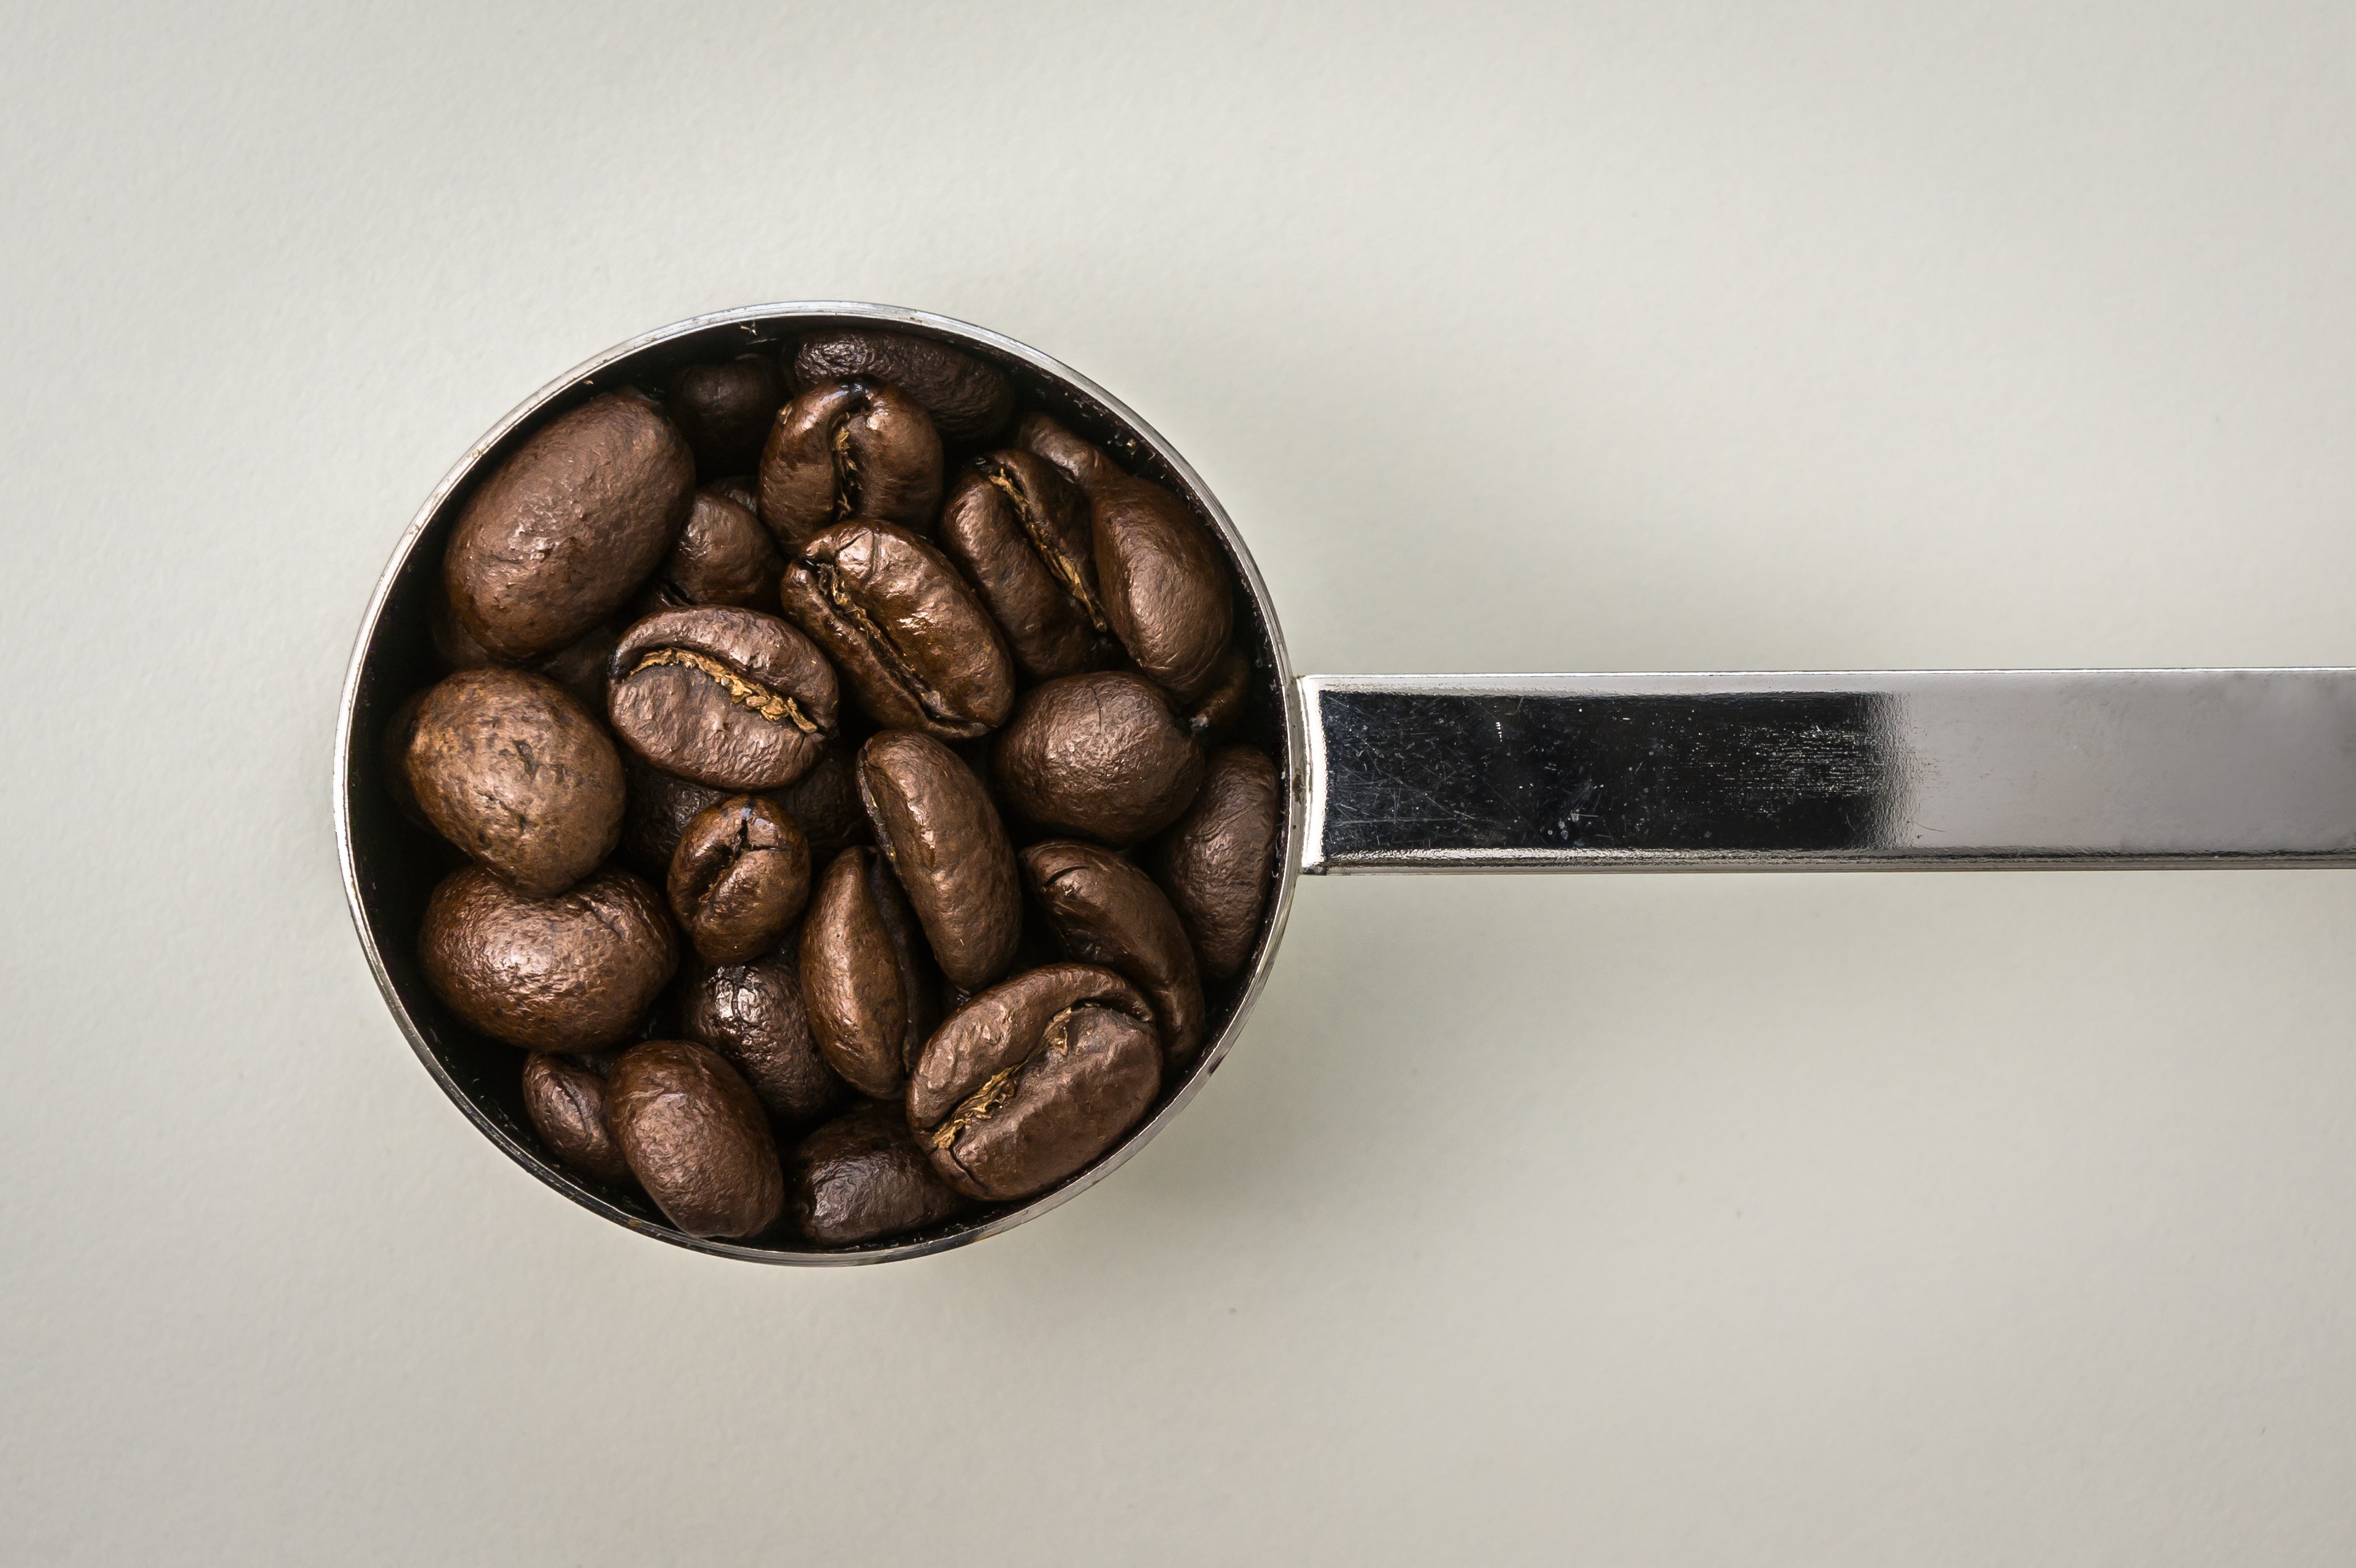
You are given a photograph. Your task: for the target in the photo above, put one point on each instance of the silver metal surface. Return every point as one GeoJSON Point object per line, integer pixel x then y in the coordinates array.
{"type": "Point", "coordinates": [1920, 770]}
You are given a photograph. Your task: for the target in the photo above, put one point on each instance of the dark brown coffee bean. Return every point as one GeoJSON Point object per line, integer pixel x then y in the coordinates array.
{"type": "Point", "coordinates": [725, 410]}
{"type": "Point", "coordinates": [1019, 531]}
{"type": "Point", "coordinates": [1218, 863]}
{"type": "Point", "coordinates": [511, 770]}
{"type": "Point", "coordinates": [1034, 1078]}
{"type": "Point", "coordinates": [392, 760]}
{"type": "Point", "coordinates": [1099, 756]}
{"type": "Point", "coordinates": [730, 698]}
{"type": "Point", "coordinates": [861, 1177]}
{"type": "Point", "coordinates": [935, 826]}
{"type": "Point", "coordinates": [579, 666]}
{"type": "Point", "coordinates": [1081, 461]}
{"type": "Point", "coordinates": [567, 1107]}
{"type": "Point", "coordinates": [694, 1136]}
{"type": "Point", "coordinates": [913, 642]}
{"type": "Point", "coordinates": [741, 489]}
{"type": "Point", "coordinates": [1216, 715]}
{"type": "Point", "coordinates": [723, 556]}
{"type": "Point", "coordinates": [561, 536]}
{"type": "Point", "coordinates": [753, 1015]}
{"type": "Point", "coordinates": [1105, 911]}
{"type": "Point", "coordinates": [849, 449]}
{"type": "Point", "coordinates": [824, 804]}
{"type": "Point", "coordinates": [739, 879]}
{"type": "Point", "coordinates": [966, 398]}
{"type": "Point", "coordinates": [575, 972]}
{"type": "Point", "coordinates": [867, 978]}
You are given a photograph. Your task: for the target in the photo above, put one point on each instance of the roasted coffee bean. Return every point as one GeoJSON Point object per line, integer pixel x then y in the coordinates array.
{"type": "Point", "coordinates": [741, 489]}
{"type": "Point", "coordinates": [1019, 531]}
{"type": "Point", "coordinates": [1100, 755]}
{"type": "Point", "coordinates": [392, 759]}
{"type": "Point", "coordinates": [966, 398]}
{"type": "Point", "coordinates": [824, 802]}
{"type": "Point", "coordinates": [1219, 860]}
{"type": "Point", "coordinates": [861, 1177]}
{"type": "Point", "coordinates": [913, 642]}
{"type": "Point", "coordinates": [1081, 461]}
{"type": "Point", "coordinates": [567, 1106]}
{"type": "Point", "coordinates": [725, 410]}
{"type": "Point", "coordinates": [730, 698]}
{"type": "Point", "coordinates": [739, 879]}
{"type": "Point", "coordinates": [753, 1015]}
{"type": "Point", "coordinates": [1216, 715]}
{"type": "Point", "coordinates": [867, 979]}
{"type": "Point", "coordinates": [723, 556]}
{"type": "Point", "coordinates": [515, 774]}
{"type": "Point", "coordinates": [1105, 911]}
{"type": "Point", "coordinates": [936, 827]}
{"type": "Point", "coordinates": [1164, 583]}
{"type": "Point", "coordinates": [1034, 1078]}
{"type": "Point", "coordinates": [563, 534]}
{"type": "Point", "coordinates": [694, 1136]}
{"type": "Point", "coordinates": [579, 666]}
{"type": "Point", "coordinates": [849, 449]}
{"type": "Point", "coordinates": [570, 973]}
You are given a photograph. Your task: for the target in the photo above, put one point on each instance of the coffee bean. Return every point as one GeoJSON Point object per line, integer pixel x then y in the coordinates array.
{"type": "Point", "coordinates": [861, 1177]}
{"type": "Point", "coordinates": [1218, 863]}
{"type": "Point", "coordinates": [1106, 911]}
{"type": "Point", "coordinates": [913, 642]}
{"type": "Point", "coordinates": [942, 838]}
{"type": "Point", "coordinates": [1100, 755]}
{"type": "Point", "coordinates": [739, 879]}
{"type": "Point", "coordinates": [561, 536]}
{"type": "Point", "coordinates": [725, 410]}
{"type": "Point", "coordinates": [694, 1136]}
{"type": "Point", "coordinates": [1216, 713]}
{"type": "Point", "coordinates": [1082, 462]}
{"type": "Point", "coordinates": [1019, 531]}
{"type": "Point", "coordinates": [849, 449]}
{"type": "Point", "coordinates": [570, 973]}
{"type": "Point", "coordinates": [1032, 1079]}
{"type": "Point", "coordinates": [509, 768]}
{"type": "Point", "coordinates": [824, 802]}
{"type": "Point", "coordinates": [741, 489]}
{"type": "Point", "coordinates": [966, 398]}
{"type": "Point", "coordinates": [579, 666]}
{"type": "Point", "coordinates": [867, 979]}
{"type": "Point", "coordinates": [723, 556]}
{"type": "Point", "coordinates": [730, 698]}
{"type": "Point", "coordinates": [753, 1014]}
{"type": "Point", "coordinates": [566, 1103]}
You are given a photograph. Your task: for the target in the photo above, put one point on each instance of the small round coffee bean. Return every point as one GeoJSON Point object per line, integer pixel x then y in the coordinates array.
{"type": "Point", "coordinates": [935, 823]}
{"type": "Point", "coordinates": [513, 772]}
{"type": "Point", "coordinates": [867, 979]}
{"type": "Point", "coordinates": [968, 399]}
{"type": "Point", "coordinates": [567, 1106]}
{"type": "Point", "coordinates": [723, 556]}
{"type": "Point", "coordinates": [1218, 863]}
{"type": "Point", "coordinates": [1100, 755]}
{"type": "Point", "coordinates": [562, 533]}
{"type": "Point", "coordinates": [849, 449]}
{"type": "Point", "coordinates": [753, 1015]}
{"type": "Point", "coordinates": [727, 697]}
{"type": "Point", "coordinates": [694, 1136]}
{"type": "Point", "coordinates": [861, 1177]}
{"type": "Point", "coordinates": [1019, 531]}
{"type": "Point", "coordinates": [575, 972]}
{"type": "Point", "coordinates": [1032, 1079]}
{"type": "Point", "coordinates": [1105, 911]}
{"type": "Point", "coordinates": [739, 879]}
{"type": "Point", "coordinates": [724, 410]}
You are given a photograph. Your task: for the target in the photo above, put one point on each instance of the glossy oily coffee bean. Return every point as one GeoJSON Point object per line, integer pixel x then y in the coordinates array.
{"type": "Point", "coordinates": [849, 449]}
{"type": "Point", "coordinates": [861, 1177]}
{"type": "Point", "coordinates": [968, 399]}
{"type": "Point", "coordinates": [753, 1014]}
{"type": "Point", "coordinates": [694, 1136]}
{"type": "Point", "coordinates": [1218, 863]}
{"type": "Point", "coordinates": [1019, 531]}
{"type": "Point", "coordinates": [513, 772]}
{"type": "Point", "coordinates": [1103, 910]}
{"type": "Point", "coordinates": [867, 978]}
{"type": "Point", "coordinates": [724, 410]}
{"type": "Point", "coordinates": [575, 972]}
{"type": "Point", "coordinates": [1081, 461]}
{"type": "Point", "coordinates": [723, 556]}
{"type": "Point", "coordinates": [913, 642]}
{"type": "Point", "coordinates": [739, 879]}
{"type": "Point", "coordinates": [1100, 755]}
{"type": "Point", "coordinates": [566, 1103]}
{"type": "Point", "coordinates": [823, 802]}
{"type": "Point", "coordinates": [561, 536]}
{"type": "Point", "coordinates": [729, 697]}
{"type": "Point", "coordinates": [937, 830]}
{"type": "Point", "coordinates": [1034, 1078]}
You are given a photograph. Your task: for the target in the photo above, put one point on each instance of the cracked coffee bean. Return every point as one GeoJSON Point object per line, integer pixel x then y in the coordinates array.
{"type": "Point", "coordinates": [725, 410]}
{"type": "Point", "coordinates": [723, 556]}
{"type": "Point", "coordinates": [566, 1103]}
{"type": "Point", "coordinates": [1032, 1079]}
{"type": "Point", "coordinates": [739, 879]}
{"type": "Point", "coordinates": [867, 978]}
{"type": "Point", "coordinates": [1100, 755]}
{"type": "Point", "coordinates": [1019, 530]}
{"type": "Point", "coordinates": [575, 972]}
{"type": "Point", "coordinates": [849, 449]}
{"type": "Point", "coordinates": [509, 768]}
{"type": "Point", "coordinates": [726, 697]}
{"type": "Point", "coordinates": [753, 1014]}
{"type": "Point", "coordinates": [1106, 911]}
{"type": "Point", "coordinates": [937, 828]}
{"type": "Point", "coordinates": [968, 399]}
{"type": "Point", "coordinates": [1218, 863]}
{"type": "Point", "coordinates": [861, 1177]}
{"type": "Point", "coordinates": [694, 1136]}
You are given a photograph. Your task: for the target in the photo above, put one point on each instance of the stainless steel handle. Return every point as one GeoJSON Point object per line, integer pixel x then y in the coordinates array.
{"type": "Point", "coordinates": [1910, 769]}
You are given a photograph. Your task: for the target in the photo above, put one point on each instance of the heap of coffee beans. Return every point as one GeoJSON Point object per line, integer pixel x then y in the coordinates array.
{"type": "Point", "coordinates": [839, 753]}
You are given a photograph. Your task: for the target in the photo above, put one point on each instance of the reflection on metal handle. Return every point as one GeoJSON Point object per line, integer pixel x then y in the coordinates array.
{"type": "Point", "coordinates": [1963, 769]}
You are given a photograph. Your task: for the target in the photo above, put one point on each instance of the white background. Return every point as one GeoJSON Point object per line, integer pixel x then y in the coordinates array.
{"type": "Point", "coordinates": [1818, 1220]}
